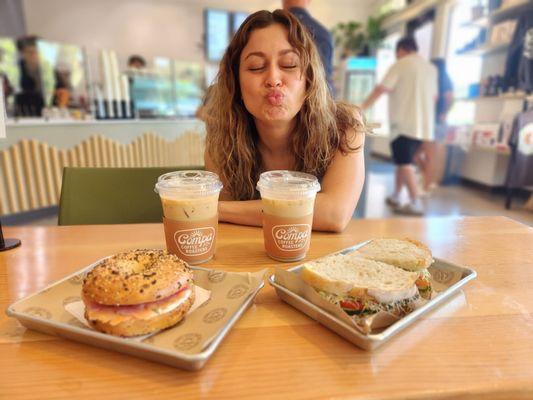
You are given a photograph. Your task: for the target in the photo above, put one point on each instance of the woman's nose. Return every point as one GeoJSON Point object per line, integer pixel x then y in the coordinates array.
{"type": "Point", "coordinates": [273, 78]}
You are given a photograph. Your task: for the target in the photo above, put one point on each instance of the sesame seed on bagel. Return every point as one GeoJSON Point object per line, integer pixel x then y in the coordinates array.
{"type": "Point", "coordinates": [136, 277]}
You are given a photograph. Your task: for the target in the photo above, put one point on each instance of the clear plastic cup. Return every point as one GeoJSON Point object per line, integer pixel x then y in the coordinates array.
{"type": "Point", "coordinates": [288, 200]}
{"type": "Point", "coordinates": [190, 213]}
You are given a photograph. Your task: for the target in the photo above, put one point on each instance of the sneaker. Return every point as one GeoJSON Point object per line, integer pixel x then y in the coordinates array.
{"type": "Point", "coordinates": [392, 201]}
{"type": "Point", "coordinates": [429, 191]}
{"type": "Point", "coordinates": [423, 193]}
{"type": "Point", "coordinates": [410, 209]}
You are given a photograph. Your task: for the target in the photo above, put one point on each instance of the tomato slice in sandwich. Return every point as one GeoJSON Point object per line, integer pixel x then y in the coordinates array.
{"type": "Point", "coordinates": [351, 305]}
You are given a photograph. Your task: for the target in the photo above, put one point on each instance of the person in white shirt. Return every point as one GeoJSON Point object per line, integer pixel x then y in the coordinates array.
{"type": "Point", "coordinates": [412, 86]}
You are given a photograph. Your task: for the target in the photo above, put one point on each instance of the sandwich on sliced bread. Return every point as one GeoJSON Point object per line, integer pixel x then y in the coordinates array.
{"type": "Point", "coordinates": [407, 254]}
{"type": "Point", "coordinates": [362, 287]}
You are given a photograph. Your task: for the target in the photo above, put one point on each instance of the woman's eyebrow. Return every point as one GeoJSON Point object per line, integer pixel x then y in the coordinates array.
{"type": "Point", "coordinates": [255, 53]}
{"type": "Point", "coordinates": [263, 55]}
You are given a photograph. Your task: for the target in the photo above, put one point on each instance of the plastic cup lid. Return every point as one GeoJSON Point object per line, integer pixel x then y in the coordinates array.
{"type": "Point", "coordinates": [202, 183]}
{"type": "Point", "coordinates": [288, 183]}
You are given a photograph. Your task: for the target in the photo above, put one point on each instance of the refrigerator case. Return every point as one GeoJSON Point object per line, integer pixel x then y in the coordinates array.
{"type": "Point", "coordinates": [359, 79]}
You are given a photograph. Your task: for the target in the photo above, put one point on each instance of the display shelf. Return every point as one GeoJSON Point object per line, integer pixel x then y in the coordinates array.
{"type": "Point", "coordinates": [497, 150]}
{"type": "Point", "coordinates": [485, 165]}
{"type": "Point", "coordinates": [505, 10]}
{"type": "Point", "coordinates": [485, 20]}
{"type": "Point", "coordinates": [485, 50]}
{"type": "Point", "coordinates": [491, 98]}
{"type": "Point", "coordinates": [481, 149]}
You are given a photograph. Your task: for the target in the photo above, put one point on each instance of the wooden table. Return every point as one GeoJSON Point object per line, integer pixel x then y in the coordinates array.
{"type": "Point", "coordinates": [478, 345]}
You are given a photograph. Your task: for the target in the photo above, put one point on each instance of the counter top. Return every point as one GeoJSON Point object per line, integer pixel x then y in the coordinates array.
{"type": "Point", "coordinates": [24, 122]}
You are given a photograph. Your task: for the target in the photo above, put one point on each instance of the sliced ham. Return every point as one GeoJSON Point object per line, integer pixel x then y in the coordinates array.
{"type": "Point", "coordinates": [117, 314]}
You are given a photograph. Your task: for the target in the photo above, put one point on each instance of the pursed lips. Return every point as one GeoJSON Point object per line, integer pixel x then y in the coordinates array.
{"type": "Point", "coordinates": [275, 97]}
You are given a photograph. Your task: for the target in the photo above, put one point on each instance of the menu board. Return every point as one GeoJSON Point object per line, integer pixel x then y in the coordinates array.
{"type": "Point", "coordinates": [217, 33]}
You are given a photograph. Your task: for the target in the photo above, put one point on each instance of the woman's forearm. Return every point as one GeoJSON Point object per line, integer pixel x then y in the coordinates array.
{"type": "Point", "coordinates": [241, 212]}
{"type": "Point", "coordinates": [328, 216]}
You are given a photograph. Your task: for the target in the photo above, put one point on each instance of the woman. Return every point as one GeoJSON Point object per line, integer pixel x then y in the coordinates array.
{"type": "Point", "coordinates": [271, 109]}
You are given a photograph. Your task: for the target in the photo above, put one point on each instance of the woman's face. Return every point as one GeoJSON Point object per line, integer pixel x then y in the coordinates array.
{"type": "Point", "coordinates": [272, 84]}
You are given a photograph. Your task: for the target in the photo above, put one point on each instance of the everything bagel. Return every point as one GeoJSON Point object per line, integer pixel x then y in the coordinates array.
{"type": "Point", "coordinates": [138, 292]}
{"type": "Point", "coordinates": [136, 277]}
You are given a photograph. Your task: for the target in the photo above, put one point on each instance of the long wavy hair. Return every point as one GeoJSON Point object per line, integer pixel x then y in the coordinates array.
{"type": "Point", "coordinates": [321, 126]}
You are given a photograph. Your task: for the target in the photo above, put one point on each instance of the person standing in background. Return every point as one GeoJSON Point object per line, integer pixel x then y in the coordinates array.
{"type": "Point", "coordinates": [136, 62]}
{"type": "Point", "coordinates": [411, 83]}
{"type": "Point", "coordinates": [321, 36]}
{"type": "Point", "coordinates": [30, 101]}
{"type": "Point", "coordinates": [4, 80]}
{"type": "Point", "coordinates": [426, 155]}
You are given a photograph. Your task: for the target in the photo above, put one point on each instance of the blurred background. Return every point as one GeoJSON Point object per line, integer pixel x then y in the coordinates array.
{"type": "Point", "coordinates": [116, 84]}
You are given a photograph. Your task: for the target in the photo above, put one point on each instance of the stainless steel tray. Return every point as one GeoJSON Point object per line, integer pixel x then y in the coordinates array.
{"type": "Point", "coordinates": [44, 312]}
{"type": "Point", "coordinates": [440, 270]}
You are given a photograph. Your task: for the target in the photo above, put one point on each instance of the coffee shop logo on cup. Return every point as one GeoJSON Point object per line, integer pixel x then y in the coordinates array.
{"type": "Point", "coordinates": [195, 242]}
{"type": "Point", "coordinates": [291, 237]}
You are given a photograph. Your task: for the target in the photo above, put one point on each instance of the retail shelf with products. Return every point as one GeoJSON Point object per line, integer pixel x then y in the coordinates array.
{"type": "Point", "coordinates": [500, 12]}
{"type": "Point", "coordinates": [486, 50]}
{"type": "Point", "coordinates": [497, 150]}
{"type": "Point", "coordinates": [499, 98]}
{"type": "Point", "coordinates": [491, 98]}
{"type": "Point", "coordinates": [484, 20]}
{"type": "Point", "coordinates": [486, 163]}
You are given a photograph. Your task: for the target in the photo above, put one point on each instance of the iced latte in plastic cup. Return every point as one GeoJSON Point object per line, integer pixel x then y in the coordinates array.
{"type": "Point", "coordinates": [288, 200]}
{"type": "Point", "coordinates": [190, 213]}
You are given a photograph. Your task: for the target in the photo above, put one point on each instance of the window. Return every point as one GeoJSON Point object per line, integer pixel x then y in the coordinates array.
{"type": "Point", "coordinates": [463, 70]}
{"type": "Point", "coordinates": [217, 33]}
{"type": "Point", "coordinates": [220, 26]}
{"type": "Point", "coordinates": [237, 19]}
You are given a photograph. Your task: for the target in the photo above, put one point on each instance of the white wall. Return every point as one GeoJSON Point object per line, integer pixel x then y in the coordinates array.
{"type": "Point", "coordinates": [167, 28]}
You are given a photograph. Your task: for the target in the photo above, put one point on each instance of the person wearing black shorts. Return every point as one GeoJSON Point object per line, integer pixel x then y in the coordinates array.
{"type": "Point", "coordinates": [411, 86]}
{"type": "Point", "coordinates": [403, 149]}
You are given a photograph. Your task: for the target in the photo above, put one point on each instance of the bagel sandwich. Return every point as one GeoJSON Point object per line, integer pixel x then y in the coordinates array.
{"type": "Point", "coordinates": [362, 287]}
{"type": "Point", "coordinates": [137, 292]}
{"type": "Point", "coordinates": [407, 254]}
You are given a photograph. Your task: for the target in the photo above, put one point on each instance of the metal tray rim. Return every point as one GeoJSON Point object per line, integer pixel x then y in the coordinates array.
{"type": "Point", "coordinates": [398, 325]}
{"type": "Point", "coordinates": [203, 356]}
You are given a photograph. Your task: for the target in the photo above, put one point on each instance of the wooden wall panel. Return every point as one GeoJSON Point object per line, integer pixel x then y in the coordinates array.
{"type": "Point", "coordinates": [31, 171]}
{"type": "Point", "coordinates": [55, 173]}
{"type": "Point", "coordinates": [21, 185]}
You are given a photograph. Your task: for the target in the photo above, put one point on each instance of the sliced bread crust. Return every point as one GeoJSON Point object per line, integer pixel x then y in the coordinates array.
{"type": "Point", "coordinates": [406, 253]}
{"type": "Point", "coordinates": [359, 277]}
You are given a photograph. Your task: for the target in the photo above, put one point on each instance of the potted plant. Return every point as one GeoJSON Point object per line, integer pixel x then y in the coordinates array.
{"type": "Point", "coordinates": [354, 39]}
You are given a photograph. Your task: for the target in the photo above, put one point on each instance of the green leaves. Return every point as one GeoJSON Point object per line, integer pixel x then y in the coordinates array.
{"type": "Point", "coordinates": [352, 38]}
